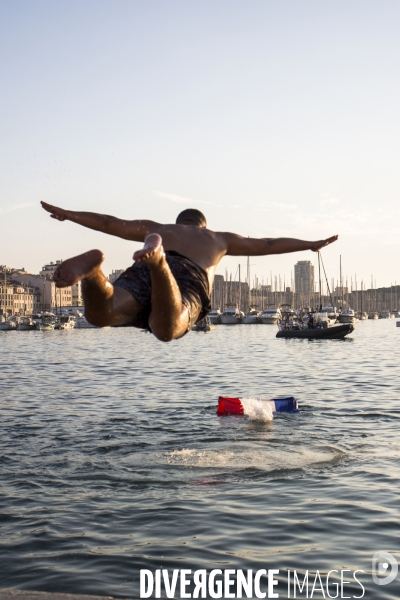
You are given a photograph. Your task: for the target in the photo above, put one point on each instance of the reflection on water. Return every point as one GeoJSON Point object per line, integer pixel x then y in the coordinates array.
{"type": "Point", "coordinates": [113, 459]}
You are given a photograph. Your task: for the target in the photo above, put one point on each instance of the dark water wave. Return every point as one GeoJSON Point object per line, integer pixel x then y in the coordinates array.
{"type": "Point", "coordinates": [113, 459]}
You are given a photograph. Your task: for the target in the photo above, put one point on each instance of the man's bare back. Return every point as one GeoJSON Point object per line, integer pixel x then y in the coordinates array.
{"type": "Point", "coordinates": [204, 247]}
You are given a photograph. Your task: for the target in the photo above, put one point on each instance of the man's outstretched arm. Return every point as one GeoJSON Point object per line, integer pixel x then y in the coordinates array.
{"type": "Point", "coordinates": [241, 246]}
{"type": "Point", "coordinates": [128, 230]}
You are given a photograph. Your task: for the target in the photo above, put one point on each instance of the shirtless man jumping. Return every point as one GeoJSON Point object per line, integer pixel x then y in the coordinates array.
{"type": "Point", "coordinates": [167, 289]}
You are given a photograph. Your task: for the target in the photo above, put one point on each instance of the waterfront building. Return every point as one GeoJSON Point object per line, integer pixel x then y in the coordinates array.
{"type": "Point", "coordinates": [17, 298]}
{"type": "Point", "coordinates": [51, 297]}
{"type": "Point", "coordinates": [48, 296]}
{"type": "Point", "coordinates": [76, 294]}
{"type": "Point", "coordinates": [48, 270]}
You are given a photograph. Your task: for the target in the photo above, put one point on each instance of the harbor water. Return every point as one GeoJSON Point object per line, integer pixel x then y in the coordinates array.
{"type": "Point", "coordinates": [113, 458]}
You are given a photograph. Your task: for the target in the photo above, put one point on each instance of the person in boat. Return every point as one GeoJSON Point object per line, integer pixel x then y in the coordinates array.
{"type": "Point", "coordinates": [167, 289]}
{"type": "Point", "coordinates": [311, 322]}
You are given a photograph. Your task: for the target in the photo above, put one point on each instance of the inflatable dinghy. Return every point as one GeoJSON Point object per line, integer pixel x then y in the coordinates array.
{"type": "Point", "coordinates": [234, 406]}
{"type": "Point", "coordinates": [337, 332]}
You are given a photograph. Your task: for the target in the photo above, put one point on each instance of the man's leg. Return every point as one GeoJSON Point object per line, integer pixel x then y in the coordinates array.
{"type": "Point", "coordinates": [168, 318]}
{"type": "Point", "coordinates": [104, 304]}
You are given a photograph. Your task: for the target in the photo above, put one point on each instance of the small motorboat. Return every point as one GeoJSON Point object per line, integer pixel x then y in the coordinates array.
{"type": "Point", "coordinates": [45, 326]}
{"type": "Point", "coordinates": [203, 325]}
{"type": "Point", "coordinates": [271, 315]}
{"type": "Point", "coordinates": [64, 322]}
{"type": "Point", "coordinates": [26, 324]}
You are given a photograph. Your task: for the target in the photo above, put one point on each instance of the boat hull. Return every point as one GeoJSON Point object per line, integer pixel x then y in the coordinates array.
{"type": "Point", "coordinates": [215, 319]}
{"type": "Point", "coordinates": [251, 320]}
{"type": "Point", "coordinates": [209, 327]}
{"type": "Point", "coordinates": [346, 319]}
{"type": "Point", "coordinates": [8, 326]}
{"type": "Point", "coordinates": [82, 323]}
{"type": "Point", "coordinates": [230, 320]}
{"type": "Point", "coordinates": [335, 332]}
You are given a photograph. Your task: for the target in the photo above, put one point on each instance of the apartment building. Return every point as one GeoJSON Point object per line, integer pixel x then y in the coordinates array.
{"type": "Point", "coordinates": [18, 299]}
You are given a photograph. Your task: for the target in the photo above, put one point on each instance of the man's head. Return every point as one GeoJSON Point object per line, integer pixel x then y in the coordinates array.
{"type": "Point", "coordinates": [191, 216]}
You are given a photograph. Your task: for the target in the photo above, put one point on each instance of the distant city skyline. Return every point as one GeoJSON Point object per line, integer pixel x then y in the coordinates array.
{"type": "Point", "coordinates": [304, 280]}
{"type": "Point", "coordinates": [274, 118]}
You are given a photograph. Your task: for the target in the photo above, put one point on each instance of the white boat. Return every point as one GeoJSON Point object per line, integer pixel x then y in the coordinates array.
{"type": "Point", "coordinates": [347, 316]}
{"type": "Point", "coordinates": [331, 313]}
{"type": "Point", "coordinates": [215, 316]}
{"type": "Point", "coordinates": [363, 316]}
{"type": "Point", "coordinates": [271, 316]}
{"type": "Point", "coordinates": [82, 323]}
{"type": "Point", "coordinates": [385, 314]}
{"type": "Point", "coordinates": [231, 315]}
{"type": "Point", "coordinates": [26, 324]}
{"type": "Point", "coordinates": [253, 316]}
{"type": "Point", "coordinates": [65, 322]}
{"type": "Point", "coordinates": [373, 315]}
{"type": "Point", "coordinates": [8, 325]}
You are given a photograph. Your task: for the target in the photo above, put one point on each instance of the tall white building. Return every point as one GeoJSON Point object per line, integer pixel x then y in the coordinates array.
{"type": "Point", "coordinates": [304, 277]}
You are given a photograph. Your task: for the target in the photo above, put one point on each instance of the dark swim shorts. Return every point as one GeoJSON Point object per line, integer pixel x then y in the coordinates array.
{"type": "Point", "coordinates": [192, 281]}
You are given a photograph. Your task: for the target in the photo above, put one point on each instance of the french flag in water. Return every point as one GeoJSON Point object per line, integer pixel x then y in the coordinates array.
{"type": "Point", "coordinates": [238, 406]}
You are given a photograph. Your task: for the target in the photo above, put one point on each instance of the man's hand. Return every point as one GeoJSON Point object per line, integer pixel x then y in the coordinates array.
{"type": "Point", "coordinates": [56, 213]}
{"type": "Point", "coordinates": [316, 246]}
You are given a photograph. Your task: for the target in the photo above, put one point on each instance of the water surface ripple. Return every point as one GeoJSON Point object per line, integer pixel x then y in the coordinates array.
{"type": "Point", "coordinates": [113, 459]}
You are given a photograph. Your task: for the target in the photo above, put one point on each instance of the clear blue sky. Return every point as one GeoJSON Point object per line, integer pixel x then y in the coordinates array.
{"type": "Point", "coordinates": [274, 117]}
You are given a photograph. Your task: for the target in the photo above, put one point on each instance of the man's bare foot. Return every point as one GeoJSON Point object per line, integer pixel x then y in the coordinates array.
{"type": "Point", "coordinates": [152, 252]}
{"type": "Point", "coordinates": [77, 268]}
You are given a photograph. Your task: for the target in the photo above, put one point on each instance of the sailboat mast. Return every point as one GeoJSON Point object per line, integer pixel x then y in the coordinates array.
{"type": "Point", "coordinates": [341, 281]}
{"type": "Point", "coordinates": [248, 278]}
{"type": "Point", "coordinates": [240, 291]}
{"type": "Point", "coordinates": [361, 298]}
{"type": "Point", "coordinates": [319, 277]}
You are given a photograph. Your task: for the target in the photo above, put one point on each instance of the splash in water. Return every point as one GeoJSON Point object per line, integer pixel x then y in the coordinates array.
{"type": "Point", "coordinates": [199, 458]}
{"type": "Point", "coordinates": [256, 409]}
